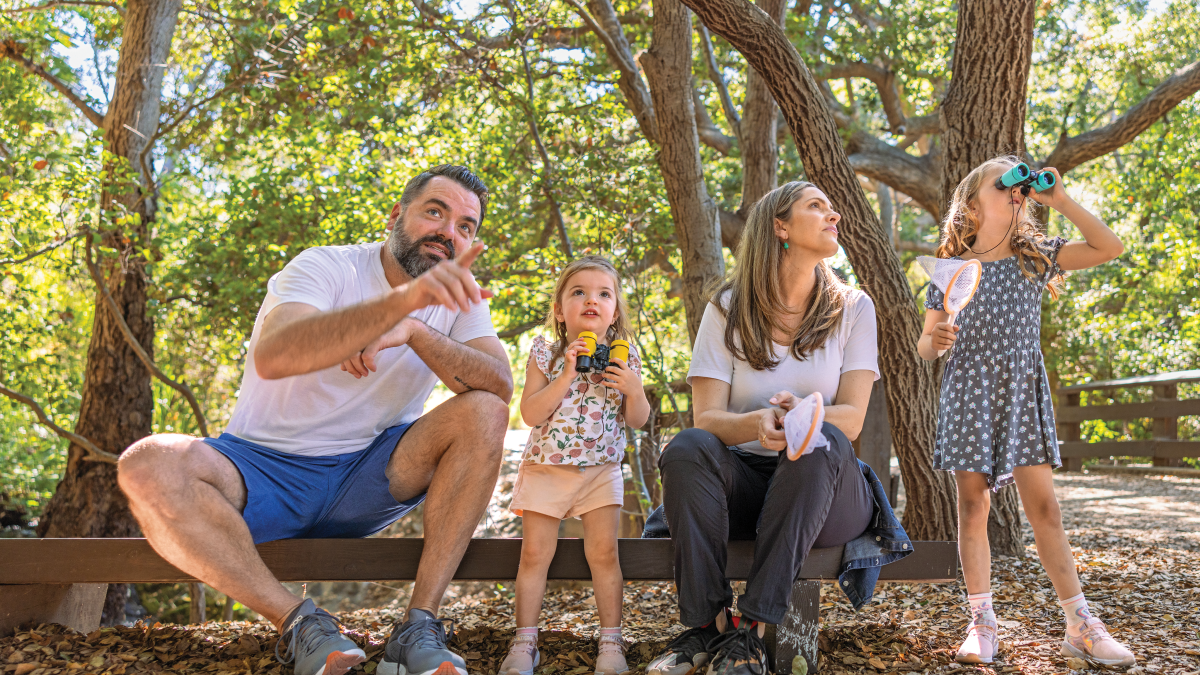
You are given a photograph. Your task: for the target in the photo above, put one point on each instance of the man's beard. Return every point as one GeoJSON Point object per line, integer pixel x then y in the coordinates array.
{"type": "Point", "coordinates": [411, 256]}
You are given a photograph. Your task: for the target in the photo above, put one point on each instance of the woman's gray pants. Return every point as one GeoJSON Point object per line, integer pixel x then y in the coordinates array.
{"type": "Point", "coordinates": [713, 493]}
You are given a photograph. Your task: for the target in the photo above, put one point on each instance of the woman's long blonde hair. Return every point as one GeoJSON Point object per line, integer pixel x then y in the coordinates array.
{"type": "Point", "coordinates": [620, 329]}
{"type": "Point", "coordinates": [961, 226]}
{"type": "Point", "coordinates": [756, 310]}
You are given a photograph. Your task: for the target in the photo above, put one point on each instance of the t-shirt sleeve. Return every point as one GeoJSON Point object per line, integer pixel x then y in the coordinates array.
{"type": "Point", "coordinates": [862, 347]}
{"type": "Point", "coordinates": [313, 278]}
{"type": "Point", "coordinates": [934, 298]}
{"type": "Point", "coordinates": [1051, 247]}
{"type": "Point", "coordinates": [474, 323]}
{"type": "Point", "coordinates": [635, 361]}
{"type": "Point", "coordinates": [710, 358]}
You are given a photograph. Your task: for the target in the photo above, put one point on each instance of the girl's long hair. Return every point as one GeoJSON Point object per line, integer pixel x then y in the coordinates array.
{"type": "Point", "coordinates": [961, 226]}
{"type": "Point", "coordinates": [620, 328]}
{"type": "Point", "coordinates": [755, 306]}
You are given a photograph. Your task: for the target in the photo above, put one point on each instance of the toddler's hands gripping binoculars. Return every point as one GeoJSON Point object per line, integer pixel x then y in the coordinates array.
{"type": "Point", "coordinates": [596, 358]}
{"type": "Point", "coordinates": [1021, 175]}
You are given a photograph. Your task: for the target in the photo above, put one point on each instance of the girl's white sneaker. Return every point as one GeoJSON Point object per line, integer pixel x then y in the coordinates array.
{"type": "Point", "coordinates": [523, 657]}
{"type": "Point", "coordinates": [611, 659]}
{"type": "Point", "coordinates": [981, 644]}
{"type": "Point", "coordinates": [1096, 646]}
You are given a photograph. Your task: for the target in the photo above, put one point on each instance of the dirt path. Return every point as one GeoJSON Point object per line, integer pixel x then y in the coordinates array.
{"type": "Point", "coordinates": [1137, 545]}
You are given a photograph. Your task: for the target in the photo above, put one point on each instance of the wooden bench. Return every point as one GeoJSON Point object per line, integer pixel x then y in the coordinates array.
{"type": "Point", "coordinates": [64, 580]}
{"type": "Point", "coordinates": [1164, 409]}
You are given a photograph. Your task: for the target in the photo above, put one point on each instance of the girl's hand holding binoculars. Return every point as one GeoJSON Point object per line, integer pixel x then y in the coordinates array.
{"type": "Point", "coordinates": [621, 377]}
{"type": "Point", "coordinates": [1055, 197]}
{"type": "Point", "coordinates": [571, 355]}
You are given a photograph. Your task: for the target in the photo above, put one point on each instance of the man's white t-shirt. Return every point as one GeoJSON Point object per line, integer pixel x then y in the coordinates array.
{"type": "Point", "coordinates": [852, 346]}
{"type": "Point", "coordinates": [329, 412]}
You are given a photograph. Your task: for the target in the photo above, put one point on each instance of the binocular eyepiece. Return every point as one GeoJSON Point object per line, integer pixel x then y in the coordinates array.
{"type": "Point", "coordinates": [1021, 175]}
{"type": "Point", "coordinates": [597, 357]}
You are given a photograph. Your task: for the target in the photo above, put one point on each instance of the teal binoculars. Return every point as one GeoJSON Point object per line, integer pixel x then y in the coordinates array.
{"type": "Point", "coordinates": [1021, 176]}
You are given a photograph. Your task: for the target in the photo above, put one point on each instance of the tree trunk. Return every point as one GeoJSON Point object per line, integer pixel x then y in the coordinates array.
{"type": "Point", "coordinates": [668, 67]}
{"type": "Point", "coordinates": [982, 116]}
{"type": "Point", "coordinates": [911, 388]}
{"type": "Point", "coordinates": [117, 404]}
{"type": "Point", "coordinates": [759, 140]}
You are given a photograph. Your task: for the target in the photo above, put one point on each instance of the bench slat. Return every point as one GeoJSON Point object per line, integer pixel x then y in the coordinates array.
{"type": "Point", "coordinates": [39, 561]}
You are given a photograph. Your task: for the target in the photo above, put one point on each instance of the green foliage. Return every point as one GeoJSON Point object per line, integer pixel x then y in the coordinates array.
{"type": "Point", "coordinates": [297, 123]}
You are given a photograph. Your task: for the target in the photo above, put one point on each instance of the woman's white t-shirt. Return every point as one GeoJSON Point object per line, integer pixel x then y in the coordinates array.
{"type": "Point", "coordinates": [852, 346]}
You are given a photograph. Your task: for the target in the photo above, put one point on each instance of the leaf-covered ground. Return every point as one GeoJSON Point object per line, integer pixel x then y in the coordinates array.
{"type": "Point", "coordinates": [1138, 551]}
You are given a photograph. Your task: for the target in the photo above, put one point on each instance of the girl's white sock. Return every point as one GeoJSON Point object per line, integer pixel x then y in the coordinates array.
{"type": "Point", "coordinates": [530, 632]}
{"type": "Point", "coordinates": [615, 632]}
{"type": "Point", "coordinates": [981, 607]}
{"type": "Point", "coordinates": [1076, 610]}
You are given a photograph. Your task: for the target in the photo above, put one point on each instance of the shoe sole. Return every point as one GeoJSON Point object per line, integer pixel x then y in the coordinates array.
{"type": "Point", "coordinates": [537, 660]}
{"type": "Point", "coordinates": [973, 659]}
{"type": "Point", "coordinates": [668, 671]}
{"type": "Point", "coordinates": [1069, 651]}
{"type": "Point", "coordinates": [447, 668]}
{"type": "Point", "coordinates": [339, 663]}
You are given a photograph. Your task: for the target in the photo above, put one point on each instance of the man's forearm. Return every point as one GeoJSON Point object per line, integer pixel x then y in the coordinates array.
{"type": "Point", "coordinates": [321, 340]}
{"type": "Point", "coordinates": [461, 367]}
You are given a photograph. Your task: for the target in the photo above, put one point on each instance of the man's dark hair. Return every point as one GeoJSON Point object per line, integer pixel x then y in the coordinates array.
{"type": "Point", "coordinates": [459, 174]}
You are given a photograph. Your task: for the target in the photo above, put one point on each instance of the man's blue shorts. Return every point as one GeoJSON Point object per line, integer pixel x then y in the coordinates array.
{"type": "Point", "coordinates": [300, 497]}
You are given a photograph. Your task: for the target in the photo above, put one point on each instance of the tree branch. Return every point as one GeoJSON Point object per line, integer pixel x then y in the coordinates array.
{"type": "Point", "coordinates": [94, 453]}
{"type": "Point", "coordinates": [12, 50]}
{"type": "Point", "coordinates": [915, 176]}
{"type": "Point", "coordinates": [1073, 151]}
{"type": "Point", "coordinates": [65, 3]}
{"type": "Point", "coordinates": [885, 82]}
{"type": "Point", "coordinates": [604, 22]}
{"type": "Point", "coordinates": [710, 134]}
{"type": "Point", "coordinates": [518, 330]}
{"type": "Point", "coordinates": [137, 347]}
{"type": "Point", "coordinates": [714, 74]}
{"type": "Point", "coordinates": [547, 178]}
{"type": "Point", "coordinates": [51, 247]}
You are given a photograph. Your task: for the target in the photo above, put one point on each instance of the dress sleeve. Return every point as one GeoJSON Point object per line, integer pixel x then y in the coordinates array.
{"type": "Point", "coordinates": [1051, 246]}
{"type": "Point", "coordinates": [635, 361]}
{"type": "Point", "coordinates": [934, 298]}
{"type": "Point", "coordinates": [539, 353]}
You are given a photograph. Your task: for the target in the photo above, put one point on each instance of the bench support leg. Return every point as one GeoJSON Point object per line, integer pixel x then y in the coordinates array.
{"type": "Point", "coordinates": [75, 605]}
{"type": "Point", "coordinates": [797, 635]}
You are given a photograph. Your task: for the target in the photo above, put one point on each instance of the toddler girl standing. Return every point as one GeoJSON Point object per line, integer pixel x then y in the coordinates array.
{"type": "Point", "coordinates": [572, 463]}
{"type": "Point", "coordinates": [995, 419]}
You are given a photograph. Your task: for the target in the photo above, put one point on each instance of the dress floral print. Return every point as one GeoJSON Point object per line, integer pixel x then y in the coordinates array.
{"type": "Point", "coordinates": [995, 412]}
{"type": "Point", "coordinates": [588, 428]}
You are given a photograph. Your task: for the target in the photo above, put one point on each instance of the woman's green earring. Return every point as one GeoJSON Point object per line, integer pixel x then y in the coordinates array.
{"type": "Point", "coordinates": [785, 245]}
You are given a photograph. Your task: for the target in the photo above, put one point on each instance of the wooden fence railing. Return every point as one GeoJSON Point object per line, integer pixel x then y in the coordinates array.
{"type": "Point", "coordinates": [1165, 409]}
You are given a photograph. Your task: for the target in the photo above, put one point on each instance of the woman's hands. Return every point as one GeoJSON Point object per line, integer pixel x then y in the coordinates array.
{"type": "Point", "coordinates": [770, 429]}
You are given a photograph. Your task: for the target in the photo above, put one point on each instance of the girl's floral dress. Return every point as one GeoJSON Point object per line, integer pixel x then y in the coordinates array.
{"type": "Point", "coordinates": [588, 428]}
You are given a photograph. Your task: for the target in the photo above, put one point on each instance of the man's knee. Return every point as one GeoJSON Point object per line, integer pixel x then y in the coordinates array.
{"type": "Point", "coordinates": [152, 465]}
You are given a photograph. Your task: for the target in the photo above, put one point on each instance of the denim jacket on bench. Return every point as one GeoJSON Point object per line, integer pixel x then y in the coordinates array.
{"type": "Point", "coordinates": [883, 542]}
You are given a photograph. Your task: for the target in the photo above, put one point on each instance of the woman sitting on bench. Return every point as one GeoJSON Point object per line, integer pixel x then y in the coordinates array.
{"type": "Point", "coordinates": [783, 327]}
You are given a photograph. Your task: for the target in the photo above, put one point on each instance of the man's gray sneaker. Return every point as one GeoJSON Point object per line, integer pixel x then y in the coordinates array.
{"type": "Point", "coordinates": [418, 647]}
{"type": "Point", "coordinates": [314, 640]}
